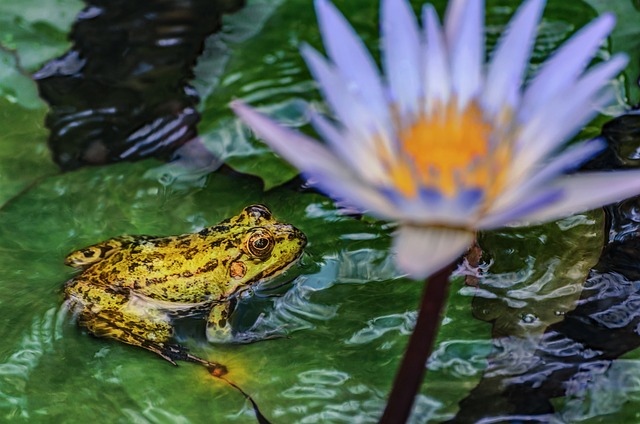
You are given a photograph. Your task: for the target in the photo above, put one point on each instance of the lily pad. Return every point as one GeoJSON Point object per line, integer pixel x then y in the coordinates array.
{"type": "Point", "coordinates": [37, 29]}
{"type": "Point", "coordinates": [24, 157]}
{"type": "Point", "coordinates": [625, 38]}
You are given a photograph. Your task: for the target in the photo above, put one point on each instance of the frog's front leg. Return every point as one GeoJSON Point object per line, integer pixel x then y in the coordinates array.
{"type": "Point", "coordinates": [219, 322]}
{"type": "Point", "coordinates": [219, 328]}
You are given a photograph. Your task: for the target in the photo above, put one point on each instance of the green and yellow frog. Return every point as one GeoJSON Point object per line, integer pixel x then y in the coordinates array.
{"type": "Point", "coordinates": [132, 288]}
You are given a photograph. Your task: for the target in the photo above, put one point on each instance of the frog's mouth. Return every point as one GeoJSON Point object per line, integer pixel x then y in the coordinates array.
{"type": "Point", "coordinates": [268, 284]}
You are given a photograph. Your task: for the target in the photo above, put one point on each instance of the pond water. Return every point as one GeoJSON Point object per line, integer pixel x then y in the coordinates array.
{"type": "Point", "coordinates": [545, 330]}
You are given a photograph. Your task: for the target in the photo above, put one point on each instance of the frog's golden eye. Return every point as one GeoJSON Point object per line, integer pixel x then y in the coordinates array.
{"type": "Point", "coordinates": [260, 244]}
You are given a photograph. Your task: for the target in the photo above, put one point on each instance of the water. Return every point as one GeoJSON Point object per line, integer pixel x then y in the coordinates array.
{"type": "Point", "coordinates": [136, 61]}
{"type": "Point", "coordinates": [549, 333]}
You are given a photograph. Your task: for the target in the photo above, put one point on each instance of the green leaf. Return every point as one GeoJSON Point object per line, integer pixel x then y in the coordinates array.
{"type": "Point", "coordinates": [24, 157]}
{"type": "Point", "coordinates": [37, 29]}
{"type": "Point", "coordinates": [625, 38]}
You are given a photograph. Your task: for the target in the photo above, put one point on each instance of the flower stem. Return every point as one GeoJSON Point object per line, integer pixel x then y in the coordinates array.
{"type": "Point", "coordinates": [413, 366]}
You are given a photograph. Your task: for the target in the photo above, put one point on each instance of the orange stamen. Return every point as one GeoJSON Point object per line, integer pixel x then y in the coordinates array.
{"type": "Point", "coordinates": [448, 151]}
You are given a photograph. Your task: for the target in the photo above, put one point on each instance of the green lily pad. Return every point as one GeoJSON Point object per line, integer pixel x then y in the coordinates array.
{"type": "Point", "coordinates": [24, 157]}
{"type": "Point", "coordinates": [625, 38]}
{"type": "Point", "coordinates": [37, 29]}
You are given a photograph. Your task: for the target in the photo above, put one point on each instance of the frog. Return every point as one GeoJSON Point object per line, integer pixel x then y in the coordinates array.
{"type": "Point", "coordinates": [134, 288]}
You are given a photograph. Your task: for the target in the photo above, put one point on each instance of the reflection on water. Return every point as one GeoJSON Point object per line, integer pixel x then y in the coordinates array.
{"type": "Point", "coordinates": [461, 358]}
{"type": "Point", "coordinates": [332, 387]}
{"type": "Point", "coordinates": [529, 288]}
{"type": "Point", "coordinates": [16, 371]}
{"type": "Point", "coordinates": [573, 358]}
{"type": "Point", "coordinates": [295, 310]}
{"type": "Point", "coordinates": [398, 323]}
{"type": "Point", "coordinates": [566, 369]}
{"type": "Point", "coordinates": [136, 60]}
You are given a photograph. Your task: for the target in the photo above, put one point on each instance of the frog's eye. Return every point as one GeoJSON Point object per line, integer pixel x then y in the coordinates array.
{"type": "Point", "coordinates": [260, 244]}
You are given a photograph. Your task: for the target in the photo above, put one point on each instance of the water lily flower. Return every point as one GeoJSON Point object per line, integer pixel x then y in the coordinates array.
{"type": "Point", "coordinates": [444, 143]}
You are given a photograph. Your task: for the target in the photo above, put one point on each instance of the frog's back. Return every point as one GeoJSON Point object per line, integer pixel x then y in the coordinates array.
{"type": "Point", "coordinates": [186, 268]}
{"type": "Point", "coordinates": [206, 266]}
{"type": "Point", "coordinates": [90, 255]}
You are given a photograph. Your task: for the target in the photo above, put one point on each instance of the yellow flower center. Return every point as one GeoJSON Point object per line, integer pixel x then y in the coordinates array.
{"type": "Point", "coordinates": [449, 151]}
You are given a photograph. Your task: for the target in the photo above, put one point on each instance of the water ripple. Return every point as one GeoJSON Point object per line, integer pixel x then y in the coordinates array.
{"type": "Point", "coordinates": [322, 393]}
{"type": "Point", "coordinates": [295, 310]}
{"type": "Point", "coordinates": [328, 377]}
{"type": "Point", "coordinates": [16, 371]}
{"type": "Point", "coordinates": [377, 327]}
{"type": "Point", "coordinates": [599, 391]}
{"type": "Point", "coordinates": [461, 358]}
{"type": "Point", "coordinates": [364, 405]}
{"type": "Point", "coordinates": [309, 392]}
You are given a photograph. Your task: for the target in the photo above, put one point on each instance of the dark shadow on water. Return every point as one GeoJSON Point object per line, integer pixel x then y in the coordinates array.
{"type": "Point", "coordinates": [524, 375]}
{"type": "Point", "coordinates": [122, 92]}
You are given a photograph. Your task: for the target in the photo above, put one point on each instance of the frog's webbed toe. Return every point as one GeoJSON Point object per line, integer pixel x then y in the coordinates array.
{"type": "Point", "coordinates": [172, 352]}
{"type": "Point", "coordinates": [175, 352]}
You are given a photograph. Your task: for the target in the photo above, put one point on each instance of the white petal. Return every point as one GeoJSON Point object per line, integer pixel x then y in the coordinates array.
{"type": "Point", "coordinates": [453, 17]}
{"type": "Point", "coordinates": [567, 161]}
{"type": "Point", "coordinates": [354, 192]}
{"type": "Point", "coordinates": [302, 151]}
{"type": "Point", "coordinates": [466, 48]}
{"type": "Point", "coordinates": [352, 59]}
{"type": "Point", "coordinates": [586, 191]}
{"type": "Point", "coordinates": [565, 115]}
{"type": "Point", "coordinates": [513, 213]}
{"type": "Point", "coordinates": [436, 63]}
{"type": "Point", "coordinates": [565, 65]}
{"type": "Point", "coordinates": [351, 150]}
{"type": "Point", "coordinates": [348, 109]}
{"type": "Point", "coordinates": [429, 206]}
{"type": "Point", "coordinates": [402, 56]}
{"type": "Point", "coordinates": [511, 57]}
{"type": "Point", "coordinates": [332, 175]}
{"type": "Point", "coordinates": [421, 251]}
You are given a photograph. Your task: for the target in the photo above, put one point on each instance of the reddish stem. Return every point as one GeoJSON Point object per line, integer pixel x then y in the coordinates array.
{"type": "Point", "coordinates": [413, 366]}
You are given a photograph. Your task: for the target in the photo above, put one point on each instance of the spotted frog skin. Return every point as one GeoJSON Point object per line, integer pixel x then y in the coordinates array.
{"type": "Point", "coordinates": [131, 288]}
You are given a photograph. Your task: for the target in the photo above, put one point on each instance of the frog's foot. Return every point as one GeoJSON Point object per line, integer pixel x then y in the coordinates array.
{"type": "Point", "coordinates": [173, 353]}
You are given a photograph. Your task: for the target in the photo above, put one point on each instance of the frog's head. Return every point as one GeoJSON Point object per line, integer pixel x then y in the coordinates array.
{"type": "Point", "coordinates": [266, 247]}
